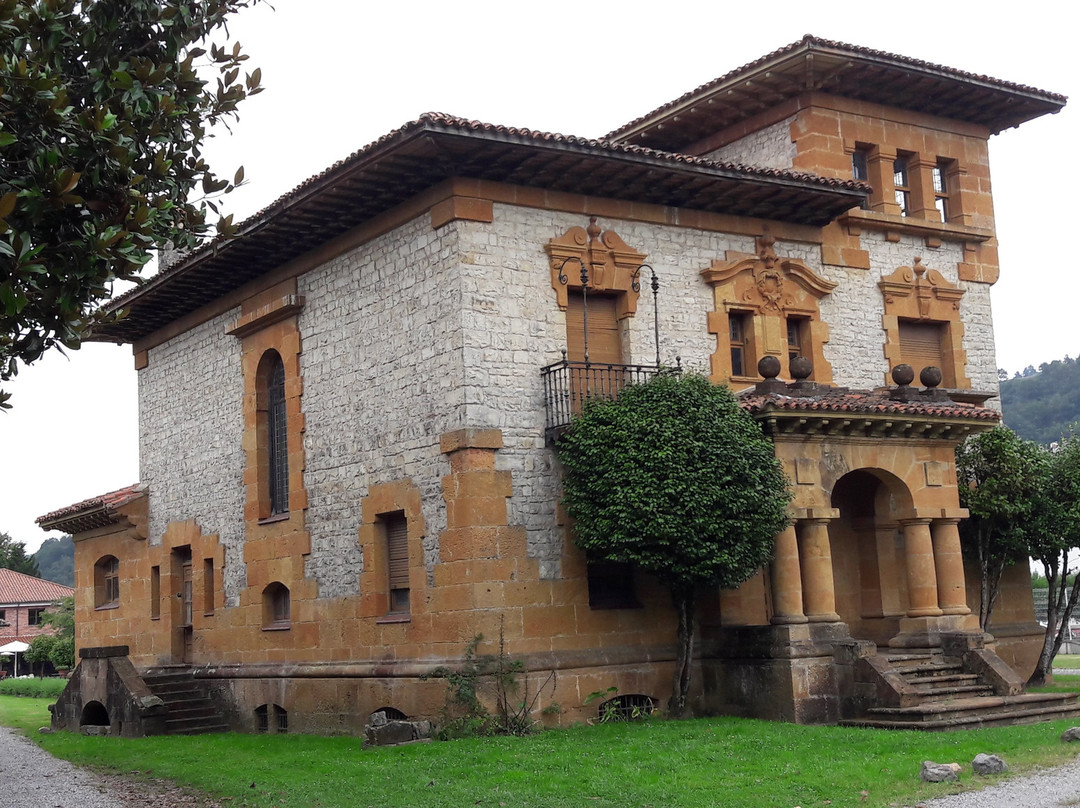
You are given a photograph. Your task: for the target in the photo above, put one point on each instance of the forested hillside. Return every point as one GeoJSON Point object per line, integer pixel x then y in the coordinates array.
{"type": "Point", "coordinates": [56, 560]}
{"type": "Point", "coordinates": [1041, 405]}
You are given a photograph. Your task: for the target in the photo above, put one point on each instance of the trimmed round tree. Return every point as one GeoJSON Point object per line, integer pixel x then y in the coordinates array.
{"type": "Point", "coordinates": [677, 479]}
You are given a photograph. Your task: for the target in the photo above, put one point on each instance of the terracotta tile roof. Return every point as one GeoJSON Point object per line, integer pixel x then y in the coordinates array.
{"type": "Point", "coordinates": [863, 402]}
{"type": "Point", "coordinates": [90, 513]}
{"type": "Point", "coordinates": [17, 588]}
{"type": "Point", "coordinates": [436, 147]}
{"type": "Point", "coordinates": [852, 71]}
{"type": "Point", "coordinates": [837, 411]}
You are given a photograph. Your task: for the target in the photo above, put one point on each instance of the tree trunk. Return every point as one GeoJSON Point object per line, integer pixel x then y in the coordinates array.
{"type": "Point", "coordinates": [680, 688]}
{"type": "Point", "coordinates": [1054, 595]}
{"type": "Point", "coordinates": [1061, 602]}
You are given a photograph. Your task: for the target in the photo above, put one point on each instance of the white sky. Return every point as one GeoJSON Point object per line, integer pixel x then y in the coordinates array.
{"type": "Point", "coordinates": [339, 74]}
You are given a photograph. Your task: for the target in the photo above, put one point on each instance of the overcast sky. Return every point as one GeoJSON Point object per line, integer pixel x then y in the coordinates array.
{"type": "Point", "coordinates": [339, 74]}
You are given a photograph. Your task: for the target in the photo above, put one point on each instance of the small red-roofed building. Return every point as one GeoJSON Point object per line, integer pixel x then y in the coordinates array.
{"type": "Point", "coordinates": [348, 415]}
{"type": "Point", "coordinates": [23, 601]}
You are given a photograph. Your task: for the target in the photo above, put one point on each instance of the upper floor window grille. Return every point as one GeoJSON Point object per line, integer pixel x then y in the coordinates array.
{"type": "Point", "coordinates": [277, 438]}
{"type": "Point", "coordinates": [900, 185]}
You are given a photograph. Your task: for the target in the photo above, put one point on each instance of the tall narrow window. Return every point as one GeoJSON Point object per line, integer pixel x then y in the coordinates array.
{"type": "Point", "coordinates": [941, 190]}
{"type": "Point", "coordinates": [107, 582]}
{"type": "Point", "coordinates": [796, 336]}
{"type": "Point", "coordinates": [738, 326]}
{"type": "Point", "coordinates": [155, 593]}
{"type": "Point", "coordinates": [277, 606]}
{"type": "Point", "coordinates": [397, 554]}
{"type": "Point", "coordinates": [208, 586]}
{"type": "Point", "coordinates": [277, 438]}
{"type": "Point", "coordinates": [901, 186]}
{"type": "Point", "coordinates": [860, 170]}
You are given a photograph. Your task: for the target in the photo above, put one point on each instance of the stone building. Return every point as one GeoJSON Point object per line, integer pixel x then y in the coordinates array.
{"type": "Point", "coordinates": [347, 412]}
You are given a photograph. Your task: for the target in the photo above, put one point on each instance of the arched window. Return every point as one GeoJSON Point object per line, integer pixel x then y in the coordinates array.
{"type": "Point", "coordinates": [107, 582]}
{"type": "Point", "coordinates": [273, 432]}
{"type": "Point", "coordinates": [276, 606]}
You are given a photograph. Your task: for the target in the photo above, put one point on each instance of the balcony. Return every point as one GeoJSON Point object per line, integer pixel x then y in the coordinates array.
{"type": "Point", "coordinates": [568, 385]}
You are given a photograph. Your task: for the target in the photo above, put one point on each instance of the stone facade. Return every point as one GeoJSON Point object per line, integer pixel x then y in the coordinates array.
{"type": "Point", "coordinates": [418, 484]}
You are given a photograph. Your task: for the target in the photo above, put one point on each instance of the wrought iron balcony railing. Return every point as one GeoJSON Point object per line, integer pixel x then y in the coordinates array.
{"type": "Point", "coordinates": [568, 385]}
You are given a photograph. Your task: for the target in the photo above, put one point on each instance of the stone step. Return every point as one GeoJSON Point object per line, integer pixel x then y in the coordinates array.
{"type": "Point", "coordinates": [939, 678]}
{"type": "Point", "coordinates": [991, 718]}
{"type": "Point", "coordinates": [974, 705]}
{"type": "Point", "coordinates": [194, 726]}
{"type": "Point", "coordinates": [941, 693]}
{"type": "Point", "coordinates": [190, 710]}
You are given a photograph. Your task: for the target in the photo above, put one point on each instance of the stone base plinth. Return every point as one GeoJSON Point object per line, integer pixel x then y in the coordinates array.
{"type": "Point", "coordinates": [779, 673]}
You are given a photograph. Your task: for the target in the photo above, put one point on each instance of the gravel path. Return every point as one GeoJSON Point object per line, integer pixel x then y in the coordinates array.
{"type": "Point", "coordinates": [1048, 788]}
{"type": "Point", "coordinates": [32, 778]}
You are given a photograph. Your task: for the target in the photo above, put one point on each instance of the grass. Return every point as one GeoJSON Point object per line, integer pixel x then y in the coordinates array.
{"type": "Point", "coordinates": [48, 688]}
{"type": "Point", "coordinates": [718, 762]}
{"type": "Point", "coordinates": [1067, 661]}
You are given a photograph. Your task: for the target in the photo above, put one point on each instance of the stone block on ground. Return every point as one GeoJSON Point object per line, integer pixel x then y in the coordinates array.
{"type": "Point", "coordinates": [988, 764]}
{"type": "Point", "coordinates": [938, 772]}
{"type": "Point", "coordinates": [1070, 735]}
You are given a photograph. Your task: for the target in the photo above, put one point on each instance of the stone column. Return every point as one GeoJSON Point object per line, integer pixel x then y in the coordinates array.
{"type": "Point", "coordinates": [815, 557]}
{"type": "Point", "coordinates": [921, 573]}
{"type": "Point", "coordinates": [880, 168]}
{"type": "Point", "coordinates": [949, 564]}
{"type": "Point", "coordinates": [921, 183]}
{"type": "Point", "coordinates": [787, 588]}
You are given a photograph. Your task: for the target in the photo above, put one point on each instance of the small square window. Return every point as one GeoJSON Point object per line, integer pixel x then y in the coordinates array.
{"type": "Point", "coordinates": [611, 585]}
{"type": "Point", "coordinates": [33, 616]}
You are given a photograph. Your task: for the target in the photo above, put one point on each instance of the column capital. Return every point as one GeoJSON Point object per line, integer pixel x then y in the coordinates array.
{"type": "Point", "coordinates": [816, 514]}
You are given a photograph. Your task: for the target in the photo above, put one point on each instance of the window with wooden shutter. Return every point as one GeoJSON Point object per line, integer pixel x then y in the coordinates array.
{"type": "Point", "coordinates": [397, 554]}
{"type": "Point", "coordinates": [605, 341]}
{"type": "Point", "coordinates": [920, 347]}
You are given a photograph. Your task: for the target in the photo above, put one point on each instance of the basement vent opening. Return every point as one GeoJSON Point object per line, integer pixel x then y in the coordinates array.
{"type": "Point", "coordinates": [391, 713]}
{"type": "Point", "coordinates": [94, 714]}
{"type": "Point", "coordinates": [629, 707]}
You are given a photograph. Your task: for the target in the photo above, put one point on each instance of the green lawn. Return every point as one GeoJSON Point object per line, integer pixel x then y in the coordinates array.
{"type": "Point", "coordinates": [1067, 661]}
{"type": "Point", "coordinates": [704, 762]}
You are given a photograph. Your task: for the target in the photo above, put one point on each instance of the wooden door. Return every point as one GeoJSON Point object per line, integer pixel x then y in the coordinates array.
{"type": "Point", "coordinates": [186, 610]}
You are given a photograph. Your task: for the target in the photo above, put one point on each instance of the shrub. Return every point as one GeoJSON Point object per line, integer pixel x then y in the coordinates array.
{"type": "Point", "coordinates": [48, 688]}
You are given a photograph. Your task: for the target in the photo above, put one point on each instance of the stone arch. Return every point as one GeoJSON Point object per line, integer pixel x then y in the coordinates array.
{"type": "Point", "coordinates": [867, 544]}
{"type": "Point", "coordinates": [94, 714]}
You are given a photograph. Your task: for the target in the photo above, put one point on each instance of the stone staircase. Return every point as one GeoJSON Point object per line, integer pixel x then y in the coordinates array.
{"type": "Point", "coordinates": [191, 711]}
{"type": "Point", "coordinates": [924, 689]}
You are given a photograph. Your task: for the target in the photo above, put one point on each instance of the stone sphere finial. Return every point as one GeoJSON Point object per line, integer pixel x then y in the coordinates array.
{"type": "Point", "coordinates": [903, 375]}
{"type": "Point", "coordinates": [801, 368]}
{"type": "Point", "coordinates": [930, 376]}
{"type": "Point", "coordinates": [768, 367]}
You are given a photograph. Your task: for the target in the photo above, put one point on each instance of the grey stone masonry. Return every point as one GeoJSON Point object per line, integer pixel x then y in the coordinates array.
{"type": "Point", "coordinates": [770, 147]}
{"type": "Point", "coordinates": [382, 369]}
{"type": "Point", "coordinates": [190, 429]}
